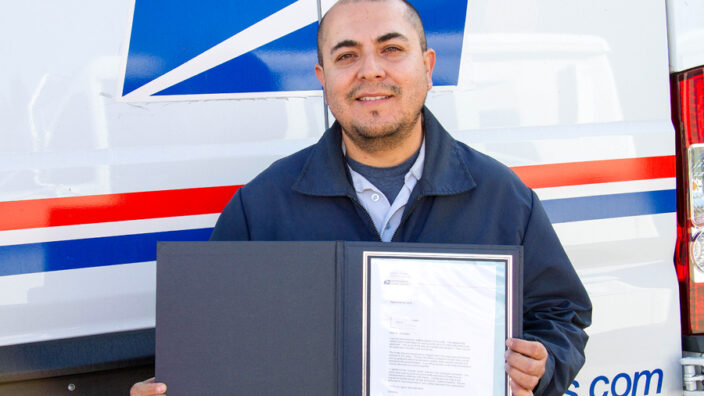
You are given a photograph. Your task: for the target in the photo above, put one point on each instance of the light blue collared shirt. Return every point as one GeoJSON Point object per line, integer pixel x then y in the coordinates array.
{"type": "Point", "coordinates": [387, 216]}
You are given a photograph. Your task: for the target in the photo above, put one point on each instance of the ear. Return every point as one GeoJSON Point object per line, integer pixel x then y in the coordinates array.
{"type": "Point", "coordinates": [320, 73]}
{"type": "Point", "coordinates": [429, 61]}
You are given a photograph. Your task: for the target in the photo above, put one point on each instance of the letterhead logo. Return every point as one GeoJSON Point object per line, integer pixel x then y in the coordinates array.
{"type": "Point", "coordinates": [180, 50]}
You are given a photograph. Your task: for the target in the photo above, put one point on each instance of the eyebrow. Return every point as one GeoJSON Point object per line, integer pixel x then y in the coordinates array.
{"type": "Point", "coordinates": [380, 39]}
{"type": "Point", "coordinates": [344, 43]}
{"type": "Point", "coordinates": [391, 36]}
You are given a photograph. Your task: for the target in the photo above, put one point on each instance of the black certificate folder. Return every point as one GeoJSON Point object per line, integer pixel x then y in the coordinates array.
{"type": "Point", "coordinates": [247, 318]}
{"type": "Point", "coordinates": [275, 318]}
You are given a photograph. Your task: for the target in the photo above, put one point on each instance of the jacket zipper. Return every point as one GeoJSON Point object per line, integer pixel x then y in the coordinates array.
{"type": "Point", "coordinates": [405, 216]}
{"type": "Point", "coordinates": [369, 217]}
{"type": "Point", "coordinates": [403, 219]}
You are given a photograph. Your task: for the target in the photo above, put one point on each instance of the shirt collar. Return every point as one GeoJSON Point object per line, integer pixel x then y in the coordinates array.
{"type": "Point", "coordinates": [416, 170]}
{"type": "Point", "coordinates": [446, 173]}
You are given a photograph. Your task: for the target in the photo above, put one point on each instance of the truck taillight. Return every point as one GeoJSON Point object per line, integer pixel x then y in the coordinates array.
{"type": "Point", "coordinates": [688, 118]}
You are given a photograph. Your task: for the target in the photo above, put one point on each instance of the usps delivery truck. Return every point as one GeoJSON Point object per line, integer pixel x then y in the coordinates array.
{"type": "Point", "coordinates": [124, 123]}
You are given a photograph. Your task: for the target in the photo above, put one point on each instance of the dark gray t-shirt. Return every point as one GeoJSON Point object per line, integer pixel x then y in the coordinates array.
{"type": "Point", "coordinates": [388, 180]}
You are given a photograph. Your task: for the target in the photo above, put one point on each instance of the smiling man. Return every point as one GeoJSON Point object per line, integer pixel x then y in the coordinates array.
{"type": "Point", "coordinates": [375, 83]}
{"type": "Point", "coordinates": [388, 171]}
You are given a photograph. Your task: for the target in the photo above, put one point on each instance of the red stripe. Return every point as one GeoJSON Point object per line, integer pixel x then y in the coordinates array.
{"type": "Point", "coordinates": [53, 212]}
{"type": "Point", "coordinates": [591, 172]}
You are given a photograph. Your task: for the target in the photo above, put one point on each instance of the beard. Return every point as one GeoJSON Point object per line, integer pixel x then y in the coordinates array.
{"type": "Point", "coordinates": [371, 136]}
{"type": "Point", "coordinates": [375, 138]}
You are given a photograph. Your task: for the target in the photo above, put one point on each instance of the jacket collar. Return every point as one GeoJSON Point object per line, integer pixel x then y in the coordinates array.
{"type": "Point", "coordinates": [444, 173]}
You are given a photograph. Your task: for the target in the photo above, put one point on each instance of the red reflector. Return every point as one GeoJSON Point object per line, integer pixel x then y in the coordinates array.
{"type": "Point", "coordinates": [692, 102]}
{"type": "Point", "coordinates": [696, 297]}
{"type": "Point", "coordinates": [688, 118]}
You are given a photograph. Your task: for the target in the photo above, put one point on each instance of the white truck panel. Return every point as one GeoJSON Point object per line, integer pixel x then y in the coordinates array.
{"type": "Point", "coordinates": [686, 29]}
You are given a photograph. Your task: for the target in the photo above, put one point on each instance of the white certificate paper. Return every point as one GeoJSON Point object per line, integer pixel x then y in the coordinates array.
{"type": "Point", "coordinates": [435, 325]}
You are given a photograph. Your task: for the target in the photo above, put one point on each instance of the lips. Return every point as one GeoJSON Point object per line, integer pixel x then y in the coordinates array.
{"type": "Point", "coordinates": [368, 94]}
{"type": "Point", "coordinates": [372, 98]}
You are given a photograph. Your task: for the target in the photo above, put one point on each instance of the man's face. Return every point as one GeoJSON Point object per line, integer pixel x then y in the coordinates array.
{"type": "Point", "coordinates": [374, 72]}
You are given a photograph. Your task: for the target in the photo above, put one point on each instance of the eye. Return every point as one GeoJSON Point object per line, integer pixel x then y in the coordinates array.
{"type": "Point", "coordinates": [344, 57]}
{"type": "Point", "coordinates": [392, 49]}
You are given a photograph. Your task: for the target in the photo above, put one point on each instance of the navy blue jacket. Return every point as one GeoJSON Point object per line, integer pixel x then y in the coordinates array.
{"type": "Point", "coordinates": [463, 197]}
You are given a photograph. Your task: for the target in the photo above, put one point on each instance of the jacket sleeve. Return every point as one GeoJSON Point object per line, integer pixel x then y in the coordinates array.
{"type": "Point", "coordinates": [556, 307]}
{"type": "Point", "coordinates": [232, 224]}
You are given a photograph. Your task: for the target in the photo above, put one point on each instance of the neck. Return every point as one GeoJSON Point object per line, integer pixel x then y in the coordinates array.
{"type": "Point", "coordinates": [388, 156]}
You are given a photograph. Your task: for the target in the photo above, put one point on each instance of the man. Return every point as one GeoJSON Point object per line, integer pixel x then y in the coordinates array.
{"type": "Point", "coordinates": [387, 170]}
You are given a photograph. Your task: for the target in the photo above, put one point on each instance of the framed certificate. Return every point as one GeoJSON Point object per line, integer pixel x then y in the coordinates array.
{"type": "Point", "coordinates": [335, 318]}
{"type": "Point", "coordinates": [436, 323]}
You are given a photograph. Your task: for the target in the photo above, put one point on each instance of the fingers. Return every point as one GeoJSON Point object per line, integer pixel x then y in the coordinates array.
{"type": "Point", "coordinates": [525, 364]}
{"type": "Point", "coordinates": [517, 390]}
{"type": "Point", "coordinates": [520, 379]}
{"type": "Point", "coordinates": [148, 387]}
{"type": "Point", "coordinates": [532, 349]}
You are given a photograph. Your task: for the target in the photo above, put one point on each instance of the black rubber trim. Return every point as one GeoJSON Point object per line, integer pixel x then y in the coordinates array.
{"type": "Point", "coordinates": [109, 382]}
{"type": "Point", "coordinates": [693, 343]}
{"type": "Point", "coordinates": [76, 355]}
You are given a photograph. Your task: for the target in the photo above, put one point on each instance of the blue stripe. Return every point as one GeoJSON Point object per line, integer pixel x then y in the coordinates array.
{"type": "Point", "coordinates": [609, 206]}
{"type": "Point", "coordinates": [96, 252]}
{"type": "Point", "coordinates": [92, 252]}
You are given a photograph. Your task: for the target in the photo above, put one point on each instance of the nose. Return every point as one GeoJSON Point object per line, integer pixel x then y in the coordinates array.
{"type": "Point", "coordinates": [371, 68]}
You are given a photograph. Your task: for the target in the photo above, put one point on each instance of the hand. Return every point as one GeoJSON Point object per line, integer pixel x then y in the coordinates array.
{"type": "Point", "coordinates": [525, 364]}
{"type": "Point", "coordinates": [147, 388]}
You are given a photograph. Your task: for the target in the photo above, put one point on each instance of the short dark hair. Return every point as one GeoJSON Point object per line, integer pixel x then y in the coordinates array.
{"type": "Point", "coordinates": [411, 14]}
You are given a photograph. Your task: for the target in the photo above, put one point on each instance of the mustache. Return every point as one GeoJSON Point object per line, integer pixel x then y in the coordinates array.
{"type": "Point", "coordinates": [395, 89]}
